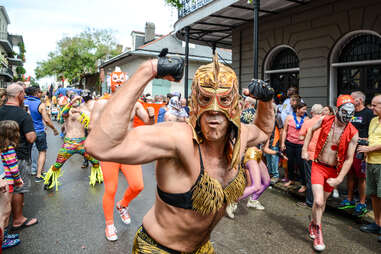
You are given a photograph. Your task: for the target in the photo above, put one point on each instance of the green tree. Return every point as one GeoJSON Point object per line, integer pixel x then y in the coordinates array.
{"type": "Point", "coordinates": [175, 3]}
{"type": "Point", "coordinates": [78, 55]}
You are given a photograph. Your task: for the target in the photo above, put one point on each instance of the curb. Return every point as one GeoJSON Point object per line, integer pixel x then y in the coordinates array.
{"type": "Point", "coordinates": [331, 202]}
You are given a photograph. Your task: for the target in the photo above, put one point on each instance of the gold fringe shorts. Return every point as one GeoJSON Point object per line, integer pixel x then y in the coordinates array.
{"type": "Point", "coordinates": [144, 244]}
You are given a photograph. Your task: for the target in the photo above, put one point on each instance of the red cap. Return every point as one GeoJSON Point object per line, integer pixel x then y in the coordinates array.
{"type": "Point", "coordinates": [345, 98]}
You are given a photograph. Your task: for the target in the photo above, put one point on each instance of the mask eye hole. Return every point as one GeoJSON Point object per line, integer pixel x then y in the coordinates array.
{"type": "Point", "coordinates": [204, 100]}
{"type": "Point", "coordinates": [226, 100]}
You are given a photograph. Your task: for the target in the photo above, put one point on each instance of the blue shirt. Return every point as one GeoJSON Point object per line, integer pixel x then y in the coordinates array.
{"type": "Point", "coordinates": [33, 104]}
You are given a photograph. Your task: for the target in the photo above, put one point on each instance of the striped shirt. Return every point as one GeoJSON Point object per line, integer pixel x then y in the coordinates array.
{"type": "Point", "coordinates": [11, 168]}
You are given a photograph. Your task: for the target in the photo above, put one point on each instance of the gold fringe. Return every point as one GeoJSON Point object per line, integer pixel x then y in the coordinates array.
{"type": "Point", "coordinates": [96, 175]}
{"type": "Point", "coordinates": [252, 153]}
{"type": "Point", "coordinates": [236, 188]}
{"type": "Point", "coordinates": [84, 120]}
{"type": "Point", "coordinates": [144, 244]}
{"type": "Point", "coordinates": [207, 196]}
{"type": "Point", "coordinates": [52, 178]}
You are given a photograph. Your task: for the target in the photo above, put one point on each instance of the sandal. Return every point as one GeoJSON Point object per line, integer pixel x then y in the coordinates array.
{"type": "Point", "coordinates": [24, 225]}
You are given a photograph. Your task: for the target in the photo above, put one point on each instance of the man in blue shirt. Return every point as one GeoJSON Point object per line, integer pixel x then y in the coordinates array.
{"type": "Point", "coordinates": [40, 116]}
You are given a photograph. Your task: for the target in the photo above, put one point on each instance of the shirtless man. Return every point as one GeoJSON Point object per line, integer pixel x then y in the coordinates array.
{"type": "Point", "coordinates": [332, 161]}
{"type": "Point", "coordinates": [133, 173]}
{"type": "Point", "coordinates": [86, 109]}
{"type": "Point", "coordinates": [73, 143]}
{"type": "Point", "coordinates": [198, 162]}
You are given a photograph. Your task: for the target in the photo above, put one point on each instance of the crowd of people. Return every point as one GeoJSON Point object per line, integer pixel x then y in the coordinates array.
{"type": "Point", "coordinates": [220, 148]}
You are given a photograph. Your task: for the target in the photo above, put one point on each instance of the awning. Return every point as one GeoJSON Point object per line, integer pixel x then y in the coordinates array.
{"type": "Point", "coordinates": [211, 22]}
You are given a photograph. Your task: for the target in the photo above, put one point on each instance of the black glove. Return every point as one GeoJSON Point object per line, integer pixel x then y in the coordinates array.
{"type": "Point", "coordinates": [173, 66]}
{"type": "Point", "coordinates": [261, 90]}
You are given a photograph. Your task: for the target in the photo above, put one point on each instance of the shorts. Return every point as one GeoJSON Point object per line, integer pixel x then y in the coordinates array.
{"type": "Point", "coordinates": [41, 143]}
{"type": "Point", "coordinates": [357, 168]}
{"type": "Point", "coordinates": [145, 244]}
{"type": "Point", "coordinates": [373, 180]}
{"type": "Point", "coordinates": [24, 170]}
{"type": "Point", "coordinates": [320, 173]}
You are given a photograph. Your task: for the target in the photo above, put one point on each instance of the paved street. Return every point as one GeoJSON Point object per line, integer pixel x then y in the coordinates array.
{"type": "Point", "coordinates": [71, 220]}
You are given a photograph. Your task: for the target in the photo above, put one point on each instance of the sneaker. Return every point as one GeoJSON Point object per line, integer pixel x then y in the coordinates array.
{"type": "Point", "coordinates": [371, 228]}
{"type": "Point", "coordinates": [360, 210]}
{"type": "Point", "coordinates": [255, 204]}
{"type": "Point", "coordinates": [123, 212]}
{"type": "Point", "coordinates": [111, 233]}
{"type": "Point", "coordinates": [335, 193]}
{"type": "Point", "coordinates": [318, 241]}
{"type": "Point", "coordinates": [284, 180]}
{"type": "Point", "coordinates": [312, 230]}
{"type": "Point", "coordinates": [230, 210]}
{"type": "Point", "coordinates": [38, 179]}
{"type": "Point", "coordinates": [9, 243]}
{"type": "Point", "coordinates": [345, 204]}
{"type": "Point", "coordinates": [274, 180]}
{"type": "Point", "coordinates": [10, 236]}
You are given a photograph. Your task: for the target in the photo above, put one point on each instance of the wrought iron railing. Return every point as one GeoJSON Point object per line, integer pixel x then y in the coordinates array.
{"type": "Point", "coordinates": [189, 6]}
{"type": "Point", "coordinates": [5, 70]}
{"type": "Point", "coordinates": [6, 37]}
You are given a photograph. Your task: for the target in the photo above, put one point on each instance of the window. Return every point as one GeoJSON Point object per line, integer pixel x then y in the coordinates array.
{"type": "Point", "coordinates": [360, 76]}
{"type": "Point", "coordinates": [284, 70]}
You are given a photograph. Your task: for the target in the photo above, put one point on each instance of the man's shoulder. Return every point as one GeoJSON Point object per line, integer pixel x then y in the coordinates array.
{"type": "Point", "coordinates": [12, 112]}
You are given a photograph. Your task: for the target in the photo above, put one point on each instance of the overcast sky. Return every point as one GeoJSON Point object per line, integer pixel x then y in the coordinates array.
{"type": "Point", "coordinates": [42, 23]}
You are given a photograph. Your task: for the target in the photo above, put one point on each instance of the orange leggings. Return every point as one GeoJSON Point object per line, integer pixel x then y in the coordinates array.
{"type": "Point", "coordinates": [134, 177]}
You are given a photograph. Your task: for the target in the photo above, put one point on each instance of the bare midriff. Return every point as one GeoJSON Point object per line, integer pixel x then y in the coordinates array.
{"type": "Point", "coordinates": [177, 228]}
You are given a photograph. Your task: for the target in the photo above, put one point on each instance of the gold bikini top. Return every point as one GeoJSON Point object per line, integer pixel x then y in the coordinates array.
{"type": "Point", "coordinates": [207, 195]}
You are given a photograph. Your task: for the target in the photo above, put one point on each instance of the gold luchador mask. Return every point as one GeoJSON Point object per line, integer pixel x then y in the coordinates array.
{"type": "Point", "coordinates": [215, 88]}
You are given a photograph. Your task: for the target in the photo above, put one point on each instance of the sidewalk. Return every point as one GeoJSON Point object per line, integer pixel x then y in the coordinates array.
{"type": "Point", "coordinates": [332, 203]}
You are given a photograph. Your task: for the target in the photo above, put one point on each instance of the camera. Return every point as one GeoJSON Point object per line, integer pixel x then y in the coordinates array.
{"type": "Point", "coordinates": [361, 142]}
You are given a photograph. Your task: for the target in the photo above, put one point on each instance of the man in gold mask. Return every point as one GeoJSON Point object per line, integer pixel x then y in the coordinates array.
{"type": "Point", "coordinates": [198, 167]}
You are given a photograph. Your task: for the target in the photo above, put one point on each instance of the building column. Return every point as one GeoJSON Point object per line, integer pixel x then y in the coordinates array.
{"type": "Point", "coordinates": [186, 62]}
{"type": "Point", "coordinates": [255, 39]}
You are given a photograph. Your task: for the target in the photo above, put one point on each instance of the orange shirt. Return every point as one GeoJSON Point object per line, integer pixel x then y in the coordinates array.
{"type": "Point", "coordinates": [303, 132]}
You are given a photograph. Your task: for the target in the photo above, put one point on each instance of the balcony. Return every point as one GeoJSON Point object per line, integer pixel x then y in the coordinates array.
{"type": "Point", "coordinates": [7, 73]}
{"type": "Point", "coordinates": [6, 42]}
{"type": "Point", "coordinates": [211, 22]}
{"type": "Point", "coordinates": [15, 61]}
{"type": "Point", "coordinates": [190, 6]}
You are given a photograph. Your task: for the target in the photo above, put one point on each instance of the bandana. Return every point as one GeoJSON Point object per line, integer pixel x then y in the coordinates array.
{"type": "Point", "coordinates": [215, 88]}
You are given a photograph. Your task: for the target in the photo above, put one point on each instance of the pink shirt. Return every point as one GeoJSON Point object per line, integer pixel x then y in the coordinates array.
{"type": "Point", "coordinates": [293, 133]}
{"type": "Point", "coordinates": [303, 132]}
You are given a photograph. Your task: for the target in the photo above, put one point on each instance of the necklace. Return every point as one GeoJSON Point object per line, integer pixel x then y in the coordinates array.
{"type": "Point", "coordinates": [335, 147]}
{"type": "Point", "coordinates": [298, 124]}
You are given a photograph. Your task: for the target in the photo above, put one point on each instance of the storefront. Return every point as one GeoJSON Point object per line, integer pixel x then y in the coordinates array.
{"type": "Point", "coordinates": [324, 47]}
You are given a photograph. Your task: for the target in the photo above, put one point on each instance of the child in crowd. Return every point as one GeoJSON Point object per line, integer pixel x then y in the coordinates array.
{"type": "Point", "coordinates": [9, 137]}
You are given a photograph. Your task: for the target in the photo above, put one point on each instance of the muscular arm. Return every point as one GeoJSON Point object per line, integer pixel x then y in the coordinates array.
{"type": "Point", "coordinates": [46, 118]}
{"type": "Point", "coordinates": [349, 158]}
{"type": "Point", "coordinates": [31, 136]}
{"type": "Point", "coordinates": [110, 138]}
{"type": "Point", "coordinates": [142, 113]}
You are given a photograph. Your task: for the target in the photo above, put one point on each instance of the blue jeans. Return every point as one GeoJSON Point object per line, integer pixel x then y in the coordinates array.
{"type": "Point", "coordinates": [273, 162]}
{"type": "Point", "coordinates": [34, 158]}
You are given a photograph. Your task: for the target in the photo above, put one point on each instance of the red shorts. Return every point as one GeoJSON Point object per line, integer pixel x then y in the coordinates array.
{"type": "Point", "coordinates": [320, 173]}
{"type": "Point", "coordinates": [356, 168]}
